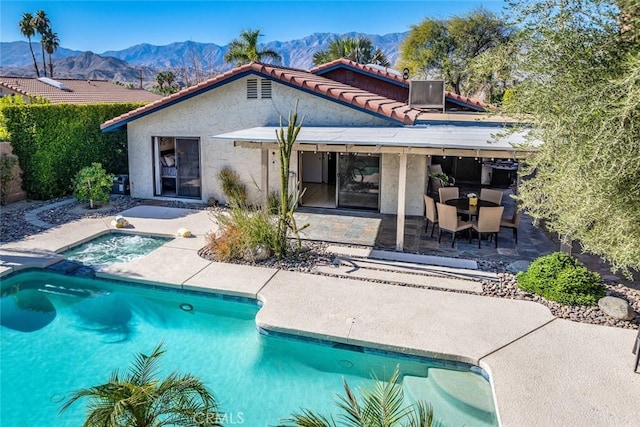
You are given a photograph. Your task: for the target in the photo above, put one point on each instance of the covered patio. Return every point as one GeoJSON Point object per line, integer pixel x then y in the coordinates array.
{"type": "Point", "coordinates": [472, 140]}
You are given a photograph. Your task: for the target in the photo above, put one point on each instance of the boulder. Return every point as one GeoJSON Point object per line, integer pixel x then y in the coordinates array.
{"type": "Point", "coordinates": [184, 232]}
{"type": "Point", "coordinates": [617, 308]}
{"type": "Point", "coordinates": [259, 253]}
{"type": "Point", "coordinates": [516, 266]}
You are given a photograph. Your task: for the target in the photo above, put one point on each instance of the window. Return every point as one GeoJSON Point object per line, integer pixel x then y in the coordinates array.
{"type": "Point", "coordinates": [252, 88]}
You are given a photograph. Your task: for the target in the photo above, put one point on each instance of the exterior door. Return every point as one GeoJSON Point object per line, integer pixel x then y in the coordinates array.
{"type": "Point", "coordinates": [358, 181]}
{"type": "Point", "coordinates": [189, 181]}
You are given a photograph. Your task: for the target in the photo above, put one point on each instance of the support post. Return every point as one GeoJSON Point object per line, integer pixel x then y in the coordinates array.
{"type": "Point", "coordinates": [264, 177]}
{"type": "Point", "coordinates": [402, 192]}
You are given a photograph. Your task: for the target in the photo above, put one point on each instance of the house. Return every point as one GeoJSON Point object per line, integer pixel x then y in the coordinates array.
{"type": "Point", "coordinates": [362, 144]}
{"type": "Point", "coordinates": [73, 91]}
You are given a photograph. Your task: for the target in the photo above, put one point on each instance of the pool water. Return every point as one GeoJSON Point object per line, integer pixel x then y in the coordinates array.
{"type": "Point", "coordinates": [62, 333]}
{"type": "Point", "coordinates": [114, 247]}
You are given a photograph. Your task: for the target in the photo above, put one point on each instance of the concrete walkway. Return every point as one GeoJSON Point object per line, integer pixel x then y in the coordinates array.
{"type": "Point", "coordinates": [544, 371]}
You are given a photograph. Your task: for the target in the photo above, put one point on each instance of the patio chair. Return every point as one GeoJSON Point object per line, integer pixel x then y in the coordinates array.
{"type": "Point", "coordinates": [448, 220]}
{"type": "Point", "coordinates": [636, 351]}
{"type": "Point", "coordinates": [490, 195]}
{"type": "Point", "coordinates": [488, 223]}
{"type": "Point", "coordinates": [430, 213]}
{"type": "Point", "coordinates": [448, 193]}
{"type": "Point", "coordinates": [512, 223]}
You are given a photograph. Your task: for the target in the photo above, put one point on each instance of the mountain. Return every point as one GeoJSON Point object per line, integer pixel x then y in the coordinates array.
{"type": "Point", "coordinates": [186, 59]}
{"type": "Point", "coordinates": [88, 65]}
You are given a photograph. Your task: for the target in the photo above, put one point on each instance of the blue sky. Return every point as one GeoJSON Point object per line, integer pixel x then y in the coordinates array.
{"type": "Point", "coordinates": [113, 25]}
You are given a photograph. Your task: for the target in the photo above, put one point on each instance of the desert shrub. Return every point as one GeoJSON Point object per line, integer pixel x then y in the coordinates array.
{"type": "Point", "coordinates": [234, 190]}
{"type": "Point", "coordinates": [241, 232]}
{"type": "Point", "coordinates": [273, 202]}
{"type": "Point", "coordinates": [562, 278]}
{"type": "Point", "coordinates": [93, 184]}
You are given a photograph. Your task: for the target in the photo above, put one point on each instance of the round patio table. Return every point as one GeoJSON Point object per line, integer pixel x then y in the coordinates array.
{"type": "Point", "coordinates": [462, 205]}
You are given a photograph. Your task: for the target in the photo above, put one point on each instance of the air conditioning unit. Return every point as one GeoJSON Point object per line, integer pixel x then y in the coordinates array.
{"type": "Point", "coordinates": [426, 94]}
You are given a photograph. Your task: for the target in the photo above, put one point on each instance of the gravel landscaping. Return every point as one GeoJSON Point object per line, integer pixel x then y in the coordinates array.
{"type": "Point", "coordinates": [14, 227]}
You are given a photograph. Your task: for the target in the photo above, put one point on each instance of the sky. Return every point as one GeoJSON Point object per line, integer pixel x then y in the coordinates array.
{"type": "Point", "coordinates": [102, 25]}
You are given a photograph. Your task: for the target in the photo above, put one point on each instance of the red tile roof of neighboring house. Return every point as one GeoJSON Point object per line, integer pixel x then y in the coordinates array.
{"type": "Point", "coordinates": [388, 76]}
{"type": "Point", "coordinates": [347, 95]}
{"type": "Point", "coordinates": [79, 91]}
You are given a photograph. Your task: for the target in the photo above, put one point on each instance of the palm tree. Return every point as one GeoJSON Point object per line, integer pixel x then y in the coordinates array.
{"type": "Point", "coordinates": [51, 43]}
{"type": "Point", "coordinates": [357, 49]}
{"type": "Point", "coordinates": [28, 29]}
{"type": "Point", "coordinates": [244, 49]}
{"type": "Point", "coordinates": [41, 22]}
{"type": "Point", "coordinates": [140, 399]}
{"type": "Point", "coordinates": [380, 407]}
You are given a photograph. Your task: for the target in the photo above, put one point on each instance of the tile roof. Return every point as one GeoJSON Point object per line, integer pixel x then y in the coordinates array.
{"type": "Point", "coordinates": [390, 77]}
{"type": "Point", "coordinates": [80, 91]}
{"type": "Point", "coordinates": [396, 111]}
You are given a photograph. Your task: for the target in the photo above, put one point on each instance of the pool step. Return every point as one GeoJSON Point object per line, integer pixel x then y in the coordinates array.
{"type": "Point", "coordinates": [72, 268]}
{"type": "Point", "coordinates": [468, 392]}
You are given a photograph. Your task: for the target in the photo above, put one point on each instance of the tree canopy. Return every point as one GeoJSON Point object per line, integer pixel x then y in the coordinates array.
{"type": "Point", "coordinates": [49, 41]}
{"type": "Point", "coordinates": [581, 94]}
{"type": "Point", "coordinates": [357, 49]}
{"type": "Point", "coordinates": [447, 49]}
{"type": "Point", "coordinates": [244, 49]}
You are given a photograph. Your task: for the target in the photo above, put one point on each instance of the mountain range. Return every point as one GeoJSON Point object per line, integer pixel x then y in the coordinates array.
{"type": "Point", "coordinates": [188, 60]}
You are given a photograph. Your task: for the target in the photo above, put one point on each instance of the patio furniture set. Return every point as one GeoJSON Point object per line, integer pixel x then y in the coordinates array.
{"type": "Point", "coordinates": [455, 214]}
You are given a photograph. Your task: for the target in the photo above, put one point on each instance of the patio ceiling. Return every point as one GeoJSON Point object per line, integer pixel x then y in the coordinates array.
{"type": "Point", "coordinates": [435, 140]}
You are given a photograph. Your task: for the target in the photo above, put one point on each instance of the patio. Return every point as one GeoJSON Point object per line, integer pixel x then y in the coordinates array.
{"type": "Point", "coordinates": [379, 231]}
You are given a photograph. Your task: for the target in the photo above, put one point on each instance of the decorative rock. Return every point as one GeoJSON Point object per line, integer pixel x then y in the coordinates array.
{"type": "Point", "coordinates": [260, 253]}
{"type": "Point", "coordinates": [517, 266]}
{"type": "Point", "coordinates": [184, 232]}
{"type": "Point", "coordinates": [617, 308]}
{"type": "Point", "coordinates": [120, 222]}
{"type": "Point", "coordinates": [212, 202]}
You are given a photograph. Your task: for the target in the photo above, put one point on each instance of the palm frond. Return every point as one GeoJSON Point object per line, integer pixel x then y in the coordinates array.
{"type": "Point", "coordinates": [144, 368]}
{"type": "Point", "coordinates": [309, 419]}
{"type": "Point", "coordinates": [421, 415]}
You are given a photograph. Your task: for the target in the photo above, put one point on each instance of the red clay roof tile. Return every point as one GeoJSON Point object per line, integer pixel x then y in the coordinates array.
{"type": "Point", "coordinates": [305, 80]}
{"type": "Point", "coordinates": [374, 72]}
{"type": "Point", "coordinates": [80, 91]}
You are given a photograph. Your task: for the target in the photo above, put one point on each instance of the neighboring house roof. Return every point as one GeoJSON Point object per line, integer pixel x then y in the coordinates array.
{"type": "Point", "coordinates": [75, 91]}
{"type": "Point", "coordinates": [368, 102]}
{"type": "Point", "coordinates": [394, 78]}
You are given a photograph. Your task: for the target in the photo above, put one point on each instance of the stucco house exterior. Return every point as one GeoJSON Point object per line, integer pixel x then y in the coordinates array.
{"type": "Point", "coordinates": [361, 143]}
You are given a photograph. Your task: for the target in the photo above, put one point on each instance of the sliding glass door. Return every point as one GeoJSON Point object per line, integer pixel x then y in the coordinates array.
{"type": "Point", "coordinates": [177, 167]}
{"type": "Point", "coordinates": [359, 181]}
{"type": "Point", "coordinates": [189, 182]}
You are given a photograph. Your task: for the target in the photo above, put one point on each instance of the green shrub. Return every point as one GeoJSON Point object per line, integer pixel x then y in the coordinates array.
{"type": "Point", "coordinates": [93, 184]}
{"type": "Point", "coordinates": [7, 163]}
{"type": "Point", "coordinates": [233, 189]}
{"type": "Point", "coordinates": [54, 141]}
{"type": "Point", "coordinates": [562, 278]}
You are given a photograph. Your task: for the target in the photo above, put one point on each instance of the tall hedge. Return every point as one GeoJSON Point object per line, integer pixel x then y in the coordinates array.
{"type": "Point", "coordinates": [54, 141]}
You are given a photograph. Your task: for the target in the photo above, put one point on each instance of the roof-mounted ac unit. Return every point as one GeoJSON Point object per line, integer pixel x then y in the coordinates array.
{"type": "Point", "coordinates": [426, 94]}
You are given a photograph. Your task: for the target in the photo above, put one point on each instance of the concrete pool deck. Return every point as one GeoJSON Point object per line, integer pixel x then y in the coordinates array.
{"type": "Point", "coordinates": [544, 371]}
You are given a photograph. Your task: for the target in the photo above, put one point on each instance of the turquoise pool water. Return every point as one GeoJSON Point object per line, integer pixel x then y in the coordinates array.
{"type": "Point", "coordinates": [61, 333]}
{"type": "Point", "coordinates": [114, 247]}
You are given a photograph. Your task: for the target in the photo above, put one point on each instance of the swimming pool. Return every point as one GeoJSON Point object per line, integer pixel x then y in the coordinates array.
{"type": "Point", "coordinates": [80, 330]}
{"type": "Point", "coordinates": [114, 247]}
